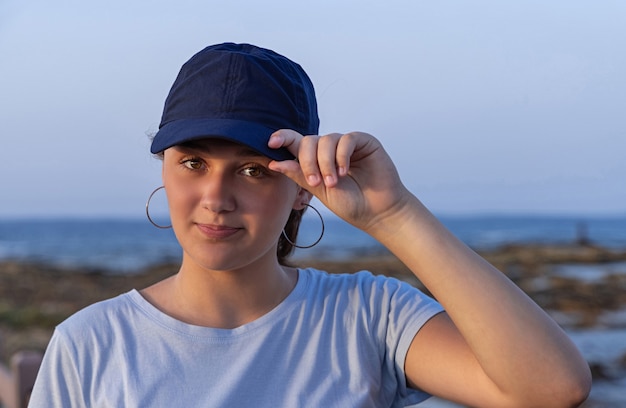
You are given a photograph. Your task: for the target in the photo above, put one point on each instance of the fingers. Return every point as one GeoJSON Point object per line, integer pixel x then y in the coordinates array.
{"type": "Point", "coordinates": [317, 158]}
{"type": "Point", "coordinates": [322, 159]}
{"type": "Point", "coordinates": [287, 138]}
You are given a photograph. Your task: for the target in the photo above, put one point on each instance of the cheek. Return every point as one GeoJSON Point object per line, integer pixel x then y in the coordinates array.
{"type": "Point", "coordinates": [273, 201]}
{"type": "Point", "coordinates": [280, 202]}
{"type": "Point", "coordinates": [180, 198]}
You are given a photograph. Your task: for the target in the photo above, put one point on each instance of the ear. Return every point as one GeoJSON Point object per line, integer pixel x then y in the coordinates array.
{"type": "Point", "coordinates": [302, 199]}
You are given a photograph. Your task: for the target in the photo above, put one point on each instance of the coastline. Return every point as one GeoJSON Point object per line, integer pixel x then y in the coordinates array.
{"type": "Point", "coordinates": [583, 287]}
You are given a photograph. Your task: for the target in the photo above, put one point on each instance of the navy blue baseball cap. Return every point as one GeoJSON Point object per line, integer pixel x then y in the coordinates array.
{"type": "Point", "coordinates": [238, 92]}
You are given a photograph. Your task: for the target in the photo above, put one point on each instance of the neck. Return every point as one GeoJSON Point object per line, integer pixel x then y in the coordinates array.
{"type": "Point", "coordinates": [222, 299]}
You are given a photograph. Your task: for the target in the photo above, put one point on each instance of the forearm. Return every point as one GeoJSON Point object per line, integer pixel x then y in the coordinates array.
{"type": "Point", "coordinates": [517, 345]}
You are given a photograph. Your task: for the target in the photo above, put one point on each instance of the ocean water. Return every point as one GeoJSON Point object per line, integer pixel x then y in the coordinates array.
{"type": "Point", "coordinates": [123, 245]}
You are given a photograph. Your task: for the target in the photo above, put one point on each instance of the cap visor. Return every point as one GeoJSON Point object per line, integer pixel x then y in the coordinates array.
{"type": "Point", "coordinates": [247, 133]}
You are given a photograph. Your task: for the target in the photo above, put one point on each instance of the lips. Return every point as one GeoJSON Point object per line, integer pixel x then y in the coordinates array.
{"type": "Point", "coordinates": [214, 231]}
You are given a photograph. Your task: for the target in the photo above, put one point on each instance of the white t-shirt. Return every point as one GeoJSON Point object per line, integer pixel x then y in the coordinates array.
{"type": "Point", "coordinates": [335, 341]}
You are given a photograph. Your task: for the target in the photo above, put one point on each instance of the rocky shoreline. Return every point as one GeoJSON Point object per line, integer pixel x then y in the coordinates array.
{"type": "Point", "coordinates": [35, 297]}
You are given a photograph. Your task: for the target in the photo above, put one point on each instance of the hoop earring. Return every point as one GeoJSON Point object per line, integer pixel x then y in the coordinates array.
{"type": "Point", "coordinates": [148, 210]}
{"type": "Point", "coordinates": [317, 241]}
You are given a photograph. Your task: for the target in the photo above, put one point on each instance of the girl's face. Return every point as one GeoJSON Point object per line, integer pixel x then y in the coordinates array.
{"type": "Point", "coordinates": [227, 208]}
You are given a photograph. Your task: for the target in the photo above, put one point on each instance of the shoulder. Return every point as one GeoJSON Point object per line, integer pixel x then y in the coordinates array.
{"type": "Point", "coordinates": [318, 276]}
{"type": "Point", "coordinates": [384, 312]}
{"type": "Point", "coordinates": [364, 282]}
{"type": "Point", "coordinates": [363, 290]}
{"type": "Point", "coordinates": [100, 316]}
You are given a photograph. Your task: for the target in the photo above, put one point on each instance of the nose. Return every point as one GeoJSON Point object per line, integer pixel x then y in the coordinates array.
{"type": "Point", "coordinates": [218, 193]}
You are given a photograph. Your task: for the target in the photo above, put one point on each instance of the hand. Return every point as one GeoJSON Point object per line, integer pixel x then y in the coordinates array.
{"type": "Point", "coordinates": [351, 174]}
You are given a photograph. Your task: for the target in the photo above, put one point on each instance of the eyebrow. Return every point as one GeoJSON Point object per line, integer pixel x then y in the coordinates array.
{"type": "Point", "coordinates": [205, 147]}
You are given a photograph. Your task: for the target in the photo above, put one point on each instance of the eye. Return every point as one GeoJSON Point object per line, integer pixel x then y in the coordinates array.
{"type": "Point", "coordinates": [253, 171]}
{"type": "Point", "coordinates": [192, 164]}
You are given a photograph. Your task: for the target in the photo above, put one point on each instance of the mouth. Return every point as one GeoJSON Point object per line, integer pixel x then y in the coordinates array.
{"type": "Point", "coordinates": [217, 232]}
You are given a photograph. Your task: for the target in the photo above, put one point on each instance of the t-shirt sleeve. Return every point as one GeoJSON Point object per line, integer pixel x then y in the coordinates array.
{"type": "Point", "coordinates": [58, 381]}
{"type": "Point", "coordinates": [400, 311]}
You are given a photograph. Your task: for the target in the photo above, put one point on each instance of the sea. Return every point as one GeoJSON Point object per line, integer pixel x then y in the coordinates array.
{"type": "Point", "coordinates": [127, 245]}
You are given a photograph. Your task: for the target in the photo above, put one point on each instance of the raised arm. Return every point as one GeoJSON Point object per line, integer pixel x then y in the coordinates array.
{"type": "Point", "coordinates": [494, 347]}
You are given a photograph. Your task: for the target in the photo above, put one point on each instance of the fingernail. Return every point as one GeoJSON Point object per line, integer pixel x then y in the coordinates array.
{"type": "Point", "coordinates": [313, 179]}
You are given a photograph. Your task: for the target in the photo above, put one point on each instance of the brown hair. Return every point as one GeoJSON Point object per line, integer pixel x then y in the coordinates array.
{"type": "Point", "coordinates": [286, 248]}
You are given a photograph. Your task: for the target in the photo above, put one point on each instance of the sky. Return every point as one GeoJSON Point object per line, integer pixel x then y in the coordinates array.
{"type": "Point", "coordinates": [515, 107]}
